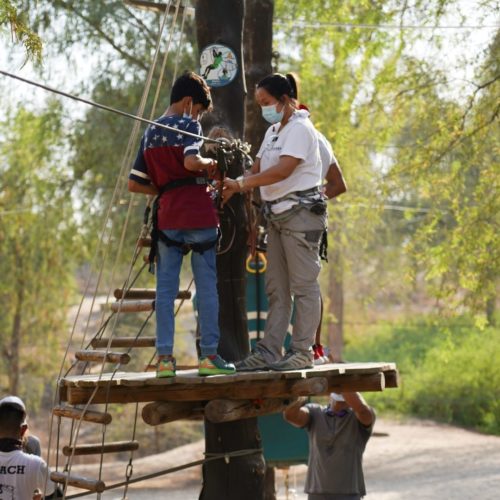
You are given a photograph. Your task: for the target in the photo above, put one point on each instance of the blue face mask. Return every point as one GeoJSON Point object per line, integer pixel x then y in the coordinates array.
{"type": "Point", "coordinates": [270, 114]}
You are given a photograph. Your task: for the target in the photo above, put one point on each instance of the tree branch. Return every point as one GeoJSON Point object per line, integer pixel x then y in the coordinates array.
{"type": "Point", "coordinates": [104, 36]}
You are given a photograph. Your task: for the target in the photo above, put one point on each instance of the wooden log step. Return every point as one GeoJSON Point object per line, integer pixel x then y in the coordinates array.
{"type": "Point", "coordinates": [93, 449]}
{"type": "Point", "coordinates": [226, 410]}
{"type": "Point", "coordinates": [144, 242]}
{"type": "Point", "coordinates": [128, 306]}
{"type": "Point", "coordinates": [110, 357]}
{"type": "Point", "coordinates": [162, 412]}
{"type": "Point", "coordinates": [77, 413]}
{"type": "Point", "coordinates": [146, 293]}
{"type": "Point", "coordinates": [124, 342]}
{"type": "Point", "coordinates": [95, 485]}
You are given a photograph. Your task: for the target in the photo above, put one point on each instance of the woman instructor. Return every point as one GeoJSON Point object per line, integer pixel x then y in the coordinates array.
{"type": "Point", "coordinates": [288, 171]}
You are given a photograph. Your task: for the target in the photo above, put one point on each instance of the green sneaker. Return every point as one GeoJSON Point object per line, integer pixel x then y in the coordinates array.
{"type": "Point", "coordinates": [165, 368]}
{"type": "Point", "coordinates": [215, 365]}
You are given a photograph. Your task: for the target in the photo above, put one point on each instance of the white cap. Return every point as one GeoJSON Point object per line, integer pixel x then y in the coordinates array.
{"type": "Point", "coordinates": [13, 401]}
{"type": "Point", "coordinates": [336, 397]}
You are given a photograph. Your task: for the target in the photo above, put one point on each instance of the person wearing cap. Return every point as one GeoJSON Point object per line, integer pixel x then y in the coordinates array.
{"type": "Point", "coordinates": [22, 475]}
{"type": "Point", "coordinates": [338, 434]}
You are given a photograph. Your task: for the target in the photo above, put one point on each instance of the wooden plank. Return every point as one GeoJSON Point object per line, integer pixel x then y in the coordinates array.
{"type": "Point", "coordinates": [97, 449]}
{"type": "Point", "coordinates": [84, 483]}
{"type": "Point", "coordinates": [191, 376]}
{"type": "Point", "coordinates": [77, 413]}
{"type": "Point", "coordinates": [123, 342]}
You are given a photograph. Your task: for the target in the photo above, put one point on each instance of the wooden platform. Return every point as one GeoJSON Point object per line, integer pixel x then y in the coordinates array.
{"type": "Point", "coordinates": [123, 387]}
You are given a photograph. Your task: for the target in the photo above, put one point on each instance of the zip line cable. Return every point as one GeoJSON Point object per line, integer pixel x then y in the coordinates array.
{"type": "Point", "coordinates": [106, 108]}
{"type": "Point", "coordinates": [306, 25]}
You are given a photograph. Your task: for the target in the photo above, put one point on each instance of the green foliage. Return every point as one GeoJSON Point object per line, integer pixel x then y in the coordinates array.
{"type": "Point", "coordinates": [38, 247]}
{"type": "Point", "coordinates": [17, 22]}
{"type": "Point", "coordinates": [449, 370]}
{"type": "Point", "coordinates": [403, 140]}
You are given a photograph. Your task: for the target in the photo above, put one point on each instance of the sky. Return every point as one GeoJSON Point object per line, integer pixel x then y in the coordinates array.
{"type": "Point", "coordinates": [456, 46]}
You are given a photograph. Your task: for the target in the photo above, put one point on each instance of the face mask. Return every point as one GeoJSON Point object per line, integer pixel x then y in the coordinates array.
{"type": "Point", "coordinates": [270, 114]}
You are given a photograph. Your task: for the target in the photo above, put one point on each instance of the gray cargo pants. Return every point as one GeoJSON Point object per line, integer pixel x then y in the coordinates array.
{"type": "Point", "coordinates": [293, 266]}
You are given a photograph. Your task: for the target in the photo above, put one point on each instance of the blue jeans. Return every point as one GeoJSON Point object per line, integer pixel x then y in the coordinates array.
{"type": "Point", "coordinates": [167, 286]}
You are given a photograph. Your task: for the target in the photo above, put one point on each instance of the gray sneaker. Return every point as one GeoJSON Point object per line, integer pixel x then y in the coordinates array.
{"type": "Point", "coordinates": [252, 363]}
{"type": "Point", "coordinates": [293, 361]}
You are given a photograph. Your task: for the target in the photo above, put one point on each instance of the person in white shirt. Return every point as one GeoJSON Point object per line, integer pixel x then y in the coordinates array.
{"type": "Point", "coordinates": [22, 475]}
{"type": "Point", "coordinates": [288, 171]}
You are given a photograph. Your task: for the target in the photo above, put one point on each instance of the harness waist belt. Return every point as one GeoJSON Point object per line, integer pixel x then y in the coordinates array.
{"type": "Point", "coordinates": [299, 194]}
{"type": "Point", "coordinates": [185, 181]}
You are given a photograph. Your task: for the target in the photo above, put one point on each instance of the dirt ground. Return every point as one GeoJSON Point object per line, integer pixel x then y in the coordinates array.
{"type": "Point", "coordinates": [405, 460]}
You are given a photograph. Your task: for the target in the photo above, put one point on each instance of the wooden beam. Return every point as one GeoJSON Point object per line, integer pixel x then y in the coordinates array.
{"type": "Point", "coordinates": [84, 483]}
{"type": "Point", "coordinates": [226, 410]}
{"type": "Point", "coordinates": [310, 386]}
{"type": "Point", "coordinates": [254, 389]}
{"type": "Point", "coordinates": [77, 413]}
{"type": "Point", "coordinates": [372, 382]}
{"type": "Point", "coordinates": [162, 412]}
{"type": "Point", "coordinates": [99, 356]}
{"type": "Point", "coordinates": [97, 449]}
{"type": "Point", "coordinates": [391, 379]}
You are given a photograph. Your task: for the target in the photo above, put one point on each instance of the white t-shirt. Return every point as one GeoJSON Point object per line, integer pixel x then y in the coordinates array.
{"type": "Point", "coordinates": [21, 474]}
{"type": "Point", "coordinates": [298, 138]}
{"type": "Point", "coordinates": [325, 153]}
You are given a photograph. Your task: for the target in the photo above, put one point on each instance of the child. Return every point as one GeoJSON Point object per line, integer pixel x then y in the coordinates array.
{"type": "Point", "coordinates": [169, 165]}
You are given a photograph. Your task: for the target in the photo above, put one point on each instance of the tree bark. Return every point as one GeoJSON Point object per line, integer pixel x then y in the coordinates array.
{"type": "Point", "coordinates": [270, 484]}
{"type": "Point", "coordinates": [221, 21]}
{"type": "Point", "coordinates": [258, 47]}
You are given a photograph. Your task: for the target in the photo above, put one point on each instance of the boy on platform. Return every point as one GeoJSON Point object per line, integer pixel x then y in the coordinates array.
{"type": "Point", "coordinates": [169, 166]}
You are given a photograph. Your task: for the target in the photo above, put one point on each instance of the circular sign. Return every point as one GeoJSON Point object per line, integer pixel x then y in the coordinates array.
{"type": "Point", "coordinates": [218, 65]}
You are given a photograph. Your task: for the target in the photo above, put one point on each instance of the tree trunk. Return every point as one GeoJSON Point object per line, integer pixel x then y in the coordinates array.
{"type": "Point", "coordinates": [258, 44]}
{"type": "Point", "coordinates": [221, 21]}
{"type": "Point", "coordinates": [335, 294]}
{"type": "Point", "coordinates": [270, 484]}
{"type": "Point", "coordinates": [15, 339]}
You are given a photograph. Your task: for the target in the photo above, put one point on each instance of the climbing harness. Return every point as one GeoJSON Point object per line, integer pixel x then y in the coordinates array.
{"type": "Point", "coordinates": [157, 234]}
{"type": "Point", "coordinates": [310, 199]}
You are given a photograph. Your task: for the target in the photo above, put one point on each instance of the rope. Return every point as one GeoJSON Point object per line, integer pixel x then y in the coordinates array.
{"type": "Point", "coordinates": [126, 160]}
{"type": "Point", "coordinates": [210, 457]}
{"type": "Point", "coordinates": [107, 108]}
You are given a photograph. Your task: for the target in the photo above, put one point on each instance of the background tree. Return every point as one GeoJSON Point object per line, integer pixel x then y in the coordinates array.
{"type": "Point", "coordinates": [11, 19]}
{"type": "Point", "coordinates": [38, 246]}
